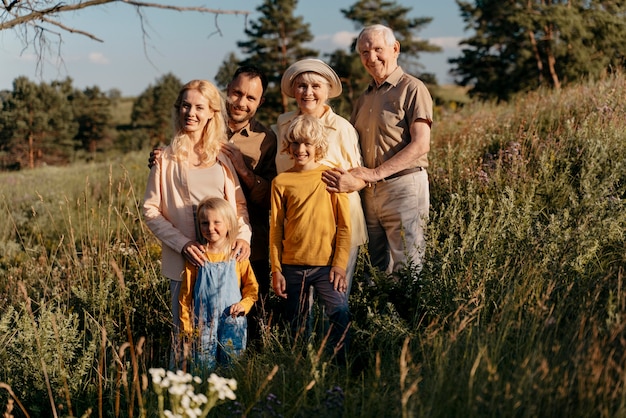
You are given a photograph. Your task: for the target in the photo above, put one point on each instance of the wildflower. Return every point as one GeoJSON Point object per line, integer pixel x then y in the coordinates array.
{"type": "Point", "coordinates": [223, 387]}
{"type": "Point", "coordinates": [184, 402]}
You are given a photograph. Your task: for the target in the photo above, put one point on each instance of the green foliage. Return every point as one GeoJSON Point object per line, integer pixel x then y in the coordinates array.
{"type": "Point", "coordinates": [92, 111]}
{"type": "Point", "coordinates": [520, 46]}
{"type": "Point", "coordinates": [154, 109]}
{"type": "Point", "coordinates": [391, 14]}
{"type": "Point", "coordinates": [36, 124]}
{"type": "Point", "coordinates": [275, 41]}
{"type": "Point", "coordinates": [348, 65]}
{"type": "Point", "coordinates": [517, 311]}
{"type": "Point", "coordinates": [226, 71]}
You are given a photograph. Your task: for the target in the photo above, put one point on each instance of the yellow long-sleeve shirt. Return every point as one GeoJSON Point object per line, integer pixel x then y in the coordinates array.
{"type": "Point", "coordinates": [308, 225]}
{"type": "Point", "coordinates": [247, 283]}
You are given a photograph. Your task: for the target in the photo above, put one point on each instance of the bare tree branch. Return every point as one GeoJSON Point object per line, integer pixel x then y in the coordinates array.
{"type": "Point", "coordinates": [33, 14]}
{"type": "Point", "coordinates": [39, 16]}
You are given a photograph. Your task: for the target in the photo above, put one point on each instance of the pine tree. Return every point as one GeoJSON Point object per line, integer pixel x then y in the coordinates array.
{"type": "Point", "coordinates": [348, 64]}
{"type": "Point", "coordinates": [37, 123]}
{"type": "Point", "coordinates": [153, 109]}
{"type": "Point", "coordinates": [522, 45]}
{"type": "Point", "coordinates": [92, 111]}
{"type": "Point", "coordinates": [226, 70]}
{"type": "Point", "coordinates": [275, 41]}
{"type": "Point", "coordinates": [391, 14]}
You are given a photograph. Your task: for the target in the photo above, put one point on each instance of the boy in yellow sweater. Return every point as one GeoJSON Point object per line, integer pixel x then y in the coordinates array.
{"type": "Point", "coordinates": [310, 235]}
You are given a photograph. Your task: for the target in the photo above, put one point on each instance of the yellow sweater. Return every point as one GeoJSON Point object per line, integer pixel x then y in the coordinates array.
{"type": "Point", "coordinates": [308, 225]}
{"type": "Point", "coordinates": [247, 283]}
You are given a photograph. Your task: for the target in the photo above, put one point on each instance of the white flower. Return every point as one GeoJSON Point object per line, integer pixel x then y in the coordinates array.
{"type": "Point", "coordinates": [223, 387]}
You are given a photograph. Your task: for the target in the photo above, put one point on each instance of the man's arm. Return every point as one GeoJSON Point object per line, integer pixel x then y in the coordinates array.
{"type": "Point", "coordinates": [257, 182]}
{"type": "Point", "coordinates": [405, 158]}
{"type": "Point", "coordinates": [340, 180]}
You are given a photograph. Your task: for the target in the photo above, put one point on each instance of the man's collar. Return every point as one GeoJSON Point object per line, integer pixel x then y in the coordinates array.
{"type": "Point", "coordinates": [241, 131]}
{"type": "Point", "coordinates": [392, 79]}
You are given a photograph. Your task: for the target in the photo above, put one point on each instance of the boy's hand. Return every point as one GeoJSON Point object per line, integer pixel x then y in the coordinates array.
{"type": "Point", "coordinates": [338, 279]}
{"type": "Point", "coordinates": [279, 284]}
{"type": "Point", "coordinates": [236, 309]}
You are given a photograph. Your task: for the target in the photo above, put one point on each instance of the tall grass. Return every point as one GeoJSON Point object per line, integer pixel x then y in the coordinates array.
{"type": "Point", "coordinates": [518, 311]}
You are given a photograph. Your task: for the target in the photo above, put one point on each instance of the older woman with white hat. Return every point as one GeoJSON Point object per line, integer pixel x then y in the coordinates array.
{"type": "Point", "coordinates": [312, 82]}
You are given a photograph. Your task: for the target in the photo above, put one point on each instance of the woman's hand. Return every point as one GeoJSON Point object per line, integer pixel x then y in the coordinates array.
{"type": "Point", "coordinates": [194, 253]}
{"type": "Point", "coordinates": [241, 250]}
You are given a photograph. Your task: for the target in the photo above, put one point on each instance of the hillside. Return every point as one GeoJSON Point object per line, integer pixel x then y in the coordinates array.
{"type": "Point", "coordinates": [517, 312]}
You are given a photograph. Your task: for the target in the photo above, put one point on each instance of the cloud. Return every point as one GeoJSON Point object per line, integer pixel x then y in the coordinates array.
{"type": "Point", "coordinates": [27, 57]}
{"type": "Point", "coordinates": [343, 40]}
{"type": "Point", "coordinates": [334, 41]}
{"type": "Point", "coordinates": [98, 58]}
{"type": "Point", "coordinates": [447, 42]}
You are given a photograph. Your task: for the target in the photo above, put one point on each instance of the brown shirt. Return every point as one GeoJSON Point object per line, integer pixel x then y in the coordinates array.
{"type": "Point", "coordinates": [383, 115]}
{"type": "Point", "coordinates": [258, 146]}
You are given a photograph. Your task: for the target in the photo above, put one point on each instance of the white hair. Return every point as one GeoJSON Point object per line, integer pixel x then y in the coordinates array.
{"type": "Point", "coordinates": [390, 38]}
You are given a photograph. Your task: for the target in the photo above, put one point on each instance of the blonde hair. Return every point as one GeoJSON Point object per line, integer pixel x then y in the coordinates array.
{"type": "Point", "coordinates": [226, 211]}
{"type": "Point", "coordinates": [307, 128]}
{"type": "Point", "coordinates": [213, 133]}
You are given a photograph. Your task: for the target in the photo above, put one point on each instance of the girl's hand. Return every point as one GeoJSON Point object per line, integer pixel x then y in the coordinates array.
{"type": "Point", "coordinates": [338, 279]}
{"type": "Point", "coordinates": [236, 309]}
{"type": "Point", "coordinates": [194, 253]}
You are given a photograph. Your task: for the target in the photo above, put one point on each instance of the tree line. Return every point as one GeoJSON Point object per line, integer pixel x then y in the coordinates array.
{"type": "Point", "coordinates": [517, 46]}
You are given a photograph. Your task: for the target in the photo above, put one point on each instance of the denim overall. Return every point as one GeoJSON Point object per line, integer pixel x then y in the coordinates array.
{"type": "Point", "coordinates": [221, 336]}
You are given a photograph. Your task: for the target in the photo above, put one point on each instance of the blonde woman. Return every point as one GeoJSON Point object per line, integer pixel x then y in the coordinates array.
{"type": "Point", "coordinates": [191, 168]}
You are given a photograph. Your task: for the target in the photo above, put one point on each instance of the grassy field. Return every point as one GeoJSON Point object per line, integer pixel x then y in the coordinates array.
{"type": "Point", "coordinates": [518, 312]}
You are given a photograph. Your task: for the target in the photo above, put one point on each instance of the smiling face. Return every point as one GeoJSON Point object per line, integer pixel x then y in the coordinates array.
{"type": "Point", "coordinates": [194, 112]}
{"type": "Point", "coordinates": [303, 153]}
{"type": "Point", "coordinates": [378, 57]}
{"type": "Point", "coordinates": [214, 228]}
{"type": "Point", "coordinates": [245, 95]}
{"type": "Point", "coordinates": [311, 93]}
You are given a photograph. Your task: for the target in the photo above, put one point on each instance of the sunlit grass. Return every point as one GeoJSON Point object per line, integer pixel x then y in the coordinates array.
{"type": "Point", "coordinates": [518, 311]}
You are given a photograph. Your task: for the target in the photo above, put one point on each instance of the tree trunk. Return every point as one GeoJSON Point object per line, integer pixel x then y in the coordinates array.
{"type": "Point", "coordinates": [551, 59]}
{"type": "Point", "coordinates": [533, 42]}
{"type": "Point", "coordinates": [31, 151]}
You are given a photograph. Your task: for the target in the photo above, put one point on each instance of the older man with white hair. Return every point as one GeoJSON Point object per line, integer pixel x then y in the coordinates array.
{"type": "Point", "coordinates": [393, 118]}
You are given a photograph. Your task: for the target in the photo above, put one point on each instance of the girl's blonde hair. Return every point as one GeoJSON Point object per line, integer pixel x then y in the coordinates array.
{"type": "Point", "coordinates": [213, 133]}
{"type": "Point", "coordinates": [307, 128]}
{"type": "Point", "coordinates": [226, 211]}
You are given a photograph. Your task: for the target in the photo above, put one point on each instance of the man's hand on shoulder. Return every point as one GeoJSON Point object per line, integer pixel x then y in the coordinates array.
{"type": "Point", "coordinates": [155, 154]}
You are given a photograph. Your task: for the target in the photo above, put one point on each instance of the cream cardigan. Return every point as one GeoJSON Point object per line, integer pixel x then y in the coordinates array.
{"type": "Point", "coordinates": [168, 211]}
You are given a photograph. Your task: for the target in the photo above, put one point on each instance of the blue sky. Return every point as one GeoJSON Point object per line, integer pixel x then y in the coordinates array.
{"type": "Point", "coordinates": [188, 45]}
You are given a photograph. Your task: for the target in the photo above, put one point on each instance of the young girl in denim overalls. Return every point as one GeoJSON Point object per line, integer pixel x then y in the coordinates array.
{"type": "Point", "coordinates": [216, 297]}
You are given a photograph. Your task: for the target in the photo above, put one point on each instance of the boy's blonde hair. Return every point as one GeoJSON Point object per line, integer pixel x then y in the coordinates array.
{"type": "Point", "coordinates": [226, 211]}
{"type": "Point", "coordinates": [310, 129]}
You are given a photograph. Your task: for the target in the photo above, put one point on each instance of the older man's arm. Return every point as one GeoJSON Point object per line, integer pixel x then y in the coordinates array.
{"type": "Point", "coordinates": [340, 180]}
{"type": "Point", "coordinates": [405, 158]}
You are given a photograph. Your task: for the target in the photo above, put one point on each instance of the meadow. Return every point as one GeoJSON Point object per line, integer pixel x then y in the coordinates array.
{"type": "Point", "coordinates": [519, 310]}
